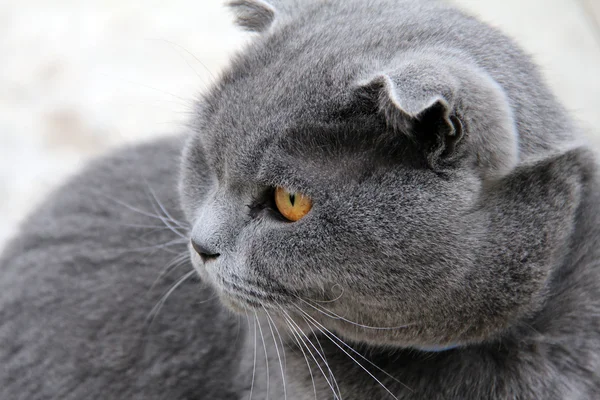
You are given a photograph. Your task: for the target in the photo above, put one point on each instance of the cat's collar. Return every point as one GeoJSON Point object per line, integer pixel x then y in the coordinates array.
{"type": "Point", "coordinates": [436, 349]}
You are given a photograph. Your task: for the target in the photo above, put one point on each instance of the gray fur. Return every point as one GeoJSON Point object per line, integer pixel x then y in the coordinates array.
{"type": "Point", "coordinates": [454, 206]}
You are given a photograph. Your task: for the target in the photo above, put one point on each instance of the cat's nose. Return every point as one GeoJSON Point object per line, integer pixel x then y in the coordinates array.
{"type": "Point", "coordinates": [205, 253]}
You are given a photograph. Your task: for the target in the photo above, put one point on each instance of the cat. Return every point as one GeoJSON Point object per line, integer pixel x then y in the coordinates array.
{"type": "Point", "coordinates": [376, 200]}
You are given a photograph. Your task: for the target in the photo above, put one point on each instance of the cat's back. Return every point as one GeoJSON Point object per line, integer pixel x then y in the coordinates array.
{"type": "Point", "coordinates": [77, 294]}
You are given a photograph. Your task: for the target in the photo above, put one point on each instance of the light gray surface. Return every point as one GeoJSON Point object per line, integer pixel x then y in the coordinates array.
{"type": "Point", "coordinates": [80, 77]}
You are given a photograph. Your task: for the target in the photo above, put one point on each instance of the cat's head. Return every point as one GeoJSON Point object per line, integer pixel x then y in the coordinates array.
{"type": "Point", "coordinates": [380, 192]}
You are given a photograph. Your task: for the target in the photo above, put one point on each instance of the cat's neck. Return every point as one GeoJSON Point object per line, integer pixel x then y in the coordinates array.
{"type": "Point", "coordinates": [573, 304]}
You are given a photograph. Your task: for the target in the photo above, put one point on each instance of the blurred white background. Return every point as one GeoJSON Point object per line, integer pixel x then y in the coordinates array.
{"type": "Point", "coordinates": [78, 77]}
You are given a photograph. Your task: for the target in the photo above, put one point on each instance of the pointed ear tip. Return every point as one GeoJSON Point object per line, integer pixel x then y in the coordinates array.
{"type": "Point", "coordinates": [582, 158]}
{"type": "Point", "coordinates": [435, 102]}
{"type": "Point", "coordinates": [248, 3]}
{"type": "Point", "coordinates": [373, 81]}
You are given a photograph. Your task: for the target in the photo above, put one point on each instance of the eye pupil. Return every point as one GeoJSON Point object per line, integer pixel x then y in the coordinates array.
{"type": "Point", "coordinates": [292, 205]}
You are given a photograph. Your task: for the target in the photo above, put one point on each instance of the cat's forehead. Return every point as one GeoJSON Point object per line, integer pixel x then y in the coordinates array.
{"type": "Point", "coordinates": [303, 69]}
{"type": "Point", "coordinates": [292, 87]}
{"type": "Point", "coordinates": [303, 73]}
{"type": "Point", "coordinates": [264, 98]}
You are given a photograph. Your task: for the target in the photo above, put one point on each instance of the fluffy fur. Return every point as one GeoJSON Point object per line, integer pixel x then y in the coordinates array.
{"type": "Point", "coordinates": [455, 209]}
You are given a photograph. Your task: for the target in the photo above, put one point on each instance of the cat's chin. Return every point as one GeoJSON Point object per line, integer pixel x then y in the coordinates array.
{"type": "Point", "coordinates": [238, 303]}
{"type": "Point", "coordinates": [233, 305]}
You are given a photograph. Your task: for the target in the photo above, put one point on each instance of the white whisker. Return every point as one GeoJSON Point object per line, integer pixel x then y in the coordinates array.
{"type": "Point", "coordinates": [164, 210]}
{"type": "Point", "coordinates": [322, 328]}
{"type": "Point", "coordinates": [141, 226]}
{"type": "Point", "coordinates": [265, 347]}
{"type": "Point", "coordinates": [333, 315]}
{"type": "Point", "coordinates": [254, 363]}
{"type": "Point", "coordinates": [332, 300]}
{"type": "Point", "coordinates": [352, 358]}
{"type": "Point", "coordinates": [290, 320]}
{"type": "Point", "coordinates": [130, 207]}
{"type": "Point", "coordinates": [294, 334]}
{"type": "Point", "coordinates": [277, 350]}
{"type": "Point", "coordinates": [175, 263]}
{"type": "Point", "coordinates": [279, 335]}
{"type": "Point", "coordinates": [195, 58]}
{"type": "Point", "coordinates": [165, 220]}
{"type": "Point", "coordinates": [156, 309]}
{"type": "Point", "coordinates": [160, 246]}
{"type": "Point", "coordinates": [183, 101]}
{"type": "Point", "coordinates": [324, 357]}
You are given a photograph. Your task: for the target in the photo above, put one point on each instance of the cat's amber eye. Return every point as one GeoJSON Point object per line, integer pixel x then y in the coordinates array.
{"type": "Point", "coordinates": [293, 206]}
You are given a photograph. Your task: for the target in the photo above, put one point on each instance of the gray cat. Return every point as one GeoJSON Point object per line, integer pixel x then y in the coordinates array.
{"type": "Point", "coordinates": [379, 200]}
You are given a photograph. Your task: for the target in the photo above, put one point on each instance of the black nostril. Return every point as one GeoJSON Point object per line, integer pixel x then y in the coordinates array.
{"type": "Point", "coordinates": [205, 254]}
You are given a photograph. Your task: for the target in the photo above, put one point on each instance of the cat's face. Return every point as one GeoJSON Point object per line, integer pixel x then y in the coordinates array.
{"type": "Point", "coordinates": [397, 244]}
{"type": "Point", "coordinates": [381, 235]}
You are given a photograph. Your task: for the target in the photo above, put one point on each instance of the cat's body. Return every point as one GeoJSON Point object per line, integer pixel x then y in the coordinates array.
{"type": "Point", "coordinates": [454, 209]}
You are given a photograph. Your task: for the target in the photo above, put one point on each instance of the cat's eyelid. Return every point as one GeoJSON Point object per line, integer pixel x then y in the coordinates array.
{"type": "Point", "coordinates": [292, 184]}
{"type": "Point", "coordinates": [296, 189]}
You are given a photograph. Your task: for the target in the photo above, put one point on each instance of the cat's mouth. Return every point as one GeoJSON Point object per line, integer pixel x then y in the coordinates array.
{"type": "Point", "coordinates": [244, 296]}
{"type": "Point", "coordinates": [238, 293]}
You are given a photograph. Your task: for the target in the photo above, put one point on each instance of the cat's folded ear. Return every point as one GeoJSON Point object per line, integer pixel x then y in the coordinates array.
{"type": "Point", "coordinates": [253, 15]}
{"type": "Point", "coordinates": [449, 108]}
{"type": "Point", "coordinates": [259, 15]}
{"type": "Point", "coordinates": [421, 112]}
